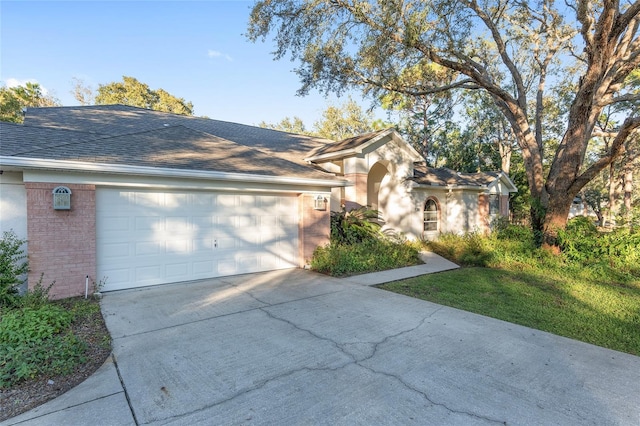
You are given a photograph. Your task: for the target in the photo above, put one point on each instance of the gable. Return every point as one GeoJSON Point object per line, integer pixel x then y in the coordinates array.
{"type": "Point", "coordinates": [362, 145]}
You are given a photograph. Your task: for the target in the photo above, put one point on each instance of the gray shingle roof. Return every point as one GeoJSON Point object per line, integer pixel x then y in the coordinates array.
{"type": "Point", "coordinates": [442, 176]}
{"type": "Point", "coordinates": [118, 120]}
{"type": "Point", "coordinates": [16, 139]}
{"type": "Point", "coordinates": [122, 135]}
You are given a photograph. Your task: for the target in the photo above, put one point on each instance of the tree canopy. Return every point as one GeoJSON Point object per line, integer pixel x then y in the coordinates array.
{"type": "Point", "coordinates": [338, 122]}
{"type": "Point", "coordinates": [132, 92]}
{"type": "Point", "coordinates": [14, 99]}
{"type": "Point", "coordinates": [520, 54]}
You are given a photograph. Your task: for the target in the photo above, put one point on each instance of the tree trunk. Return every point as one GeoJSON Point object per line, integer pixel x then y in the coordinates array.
{"type": "Point", "coordinates": [614, 193]}
{"type": "Point", "coordinates": [555, 219]}
{"type": "Point", "coordinates": [632, 154]}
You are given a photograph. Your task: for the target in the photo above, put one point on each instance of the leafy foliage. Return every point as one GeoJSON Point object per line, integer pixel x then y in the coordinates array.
{"type": "Point", "coordinates": [539, 62]}
{"type": "Point", "coordinates": [294, 125]}
{"type": "Point", "coordinates": [619, 249]}
{"type": "Point", "coordinates": [338, 122]}
{"type": "Point", "coordinates": [368, 256]}
{"type": "Point", "coordinates": [358, 246]}
{"type": "Point", "coordinates": [135, 93]}
{"type": "Point", "coordinates": [37, 341]}
{"type": "Point", "coordinates": [14, 99]}
{"type": "Point", "coordinates": [471, 249]}
{"type": "Point", "coordinates": [355, 226]}
{"type": "Point", "coordinates": [342, 122]}
{"type": "Point", "coordinates": [13, 266]}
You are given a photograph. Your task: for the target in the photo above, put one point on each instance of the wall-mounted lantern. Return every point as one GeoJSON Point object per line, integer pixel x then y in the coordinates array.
{"type": "Point", "coordinates": [61, 198]}
{"type": "Point", "coordinates": [319, 202]}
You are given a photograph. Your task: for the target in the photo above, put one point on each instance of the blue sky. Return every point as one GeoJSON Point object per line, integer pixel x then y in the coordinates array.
{"type": "Point", "coordinates": [195, 50]}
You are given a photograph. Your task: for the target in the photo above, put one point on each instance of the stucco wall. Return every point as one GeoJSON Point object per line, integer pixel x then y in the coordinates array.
{"type": "Point", "coordinates": [13, 204]}
{"type": "Point", "coordinates": [314, 227]}
{"type": "Point", "coordinates": [62, 242]}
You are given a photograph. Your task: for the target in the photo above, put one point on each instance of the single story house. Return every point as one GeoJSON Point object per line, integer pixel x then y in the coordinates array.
{"type": "Point", "coordinates": [134, 197]}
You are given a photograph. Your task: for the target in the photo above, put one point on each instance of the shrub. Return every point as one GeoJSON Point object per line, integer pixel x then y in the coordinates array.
{"type": "Point", "coordinates": [472, 249]}
{"type": "Point", "coordinates": [37, 341]}
{"type": "Point", "coordinates": [355, 226]}
{"type": "Point", "coordinates": [368, 256]}
{"type": "Point", "coordinates": [581, 242]}
{"type": "Point", "coordinates": [13, 266]}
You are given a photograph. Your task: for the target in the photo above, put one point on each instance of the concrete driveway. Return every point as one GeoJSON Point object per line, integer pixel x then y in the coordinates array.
{"type": "Point", "coordinates": [297, 348]}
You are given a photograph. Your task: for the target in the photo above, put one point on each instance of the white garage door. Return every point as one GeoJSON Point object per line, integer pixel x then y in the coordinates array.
{"type": "Point", "coordinates": [150, 237]}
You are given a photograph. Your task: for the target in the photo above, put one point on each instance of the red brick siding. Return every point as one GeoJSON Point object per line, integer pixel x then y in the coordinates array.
{"type": "Point", "coordinates": [483, 212]}
{"type": "Point", "coordinates": [314, 227]}
{"type": "Point", "coordinates": [504, 205]}
{"type": "Point", "coordinates": [62, 243]}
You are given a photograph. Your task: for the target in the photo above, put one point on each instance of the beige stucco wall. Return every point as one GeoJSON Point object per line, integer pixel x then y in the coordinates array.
{"type": "Point", "coordinates": [13, 204]}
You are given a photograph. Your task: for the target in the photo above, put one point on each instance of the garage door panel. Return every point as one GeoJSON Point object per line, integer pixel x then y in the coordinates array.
{"type": "Point", "coordinates": [204, 267]}
{"type": "Point", "coordinates": [177, 270]}
{"type": "Point", "coordinates": [203, 223]}
{"type": "Point", "coordinates": [117, 278]}
{"type": "Point", "coordinates": [147, 237]}
{"type": "Point", "coordinates": [116, 250]}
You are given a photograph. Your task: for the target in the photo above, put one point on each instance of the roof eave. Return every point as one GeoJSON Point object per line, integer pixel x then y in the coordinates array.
{"type": "Point", "coordinates": [79, 166]}
{"type": "Point", "coordinates": [479, 188]}
{"type": "Point", "coordinates": [351, 151]}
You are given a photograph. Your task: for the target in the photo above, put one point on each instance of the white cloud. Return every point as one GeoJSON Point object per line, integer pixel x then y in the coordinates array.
{"type": "Point", "coordinates": [14, 82]}
{"type": "Point", "coordinates": [218, 54]}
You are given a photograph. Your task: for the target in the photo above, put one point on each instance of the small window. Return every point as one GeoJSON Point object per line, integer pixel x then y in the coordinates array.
{"type": "Point", "coordinates": [494, 204]}
{"type": "Point", "coordinates": [431, 216]}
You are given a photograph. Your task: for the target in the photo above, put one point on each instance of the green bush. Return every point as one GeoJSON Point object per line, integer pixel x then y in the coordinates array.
{"type": "Point", "coordinates": [13, 266]}
{"type": "Point", "coordinates": [368, 256]}
{"type": "Point", "coordinates": [37, 341]}
{"type": "Point", "coordinates": [582, 243]}
{"type": "Point", "coordinates": [355, 226]}
{"type": "Point", "coordinates": [471, 249]}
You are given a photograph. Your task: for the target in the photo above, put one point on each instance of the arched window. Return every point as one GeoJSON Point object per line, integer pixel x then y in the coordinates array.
{"type": "Point", "coordinates": [431, 216]}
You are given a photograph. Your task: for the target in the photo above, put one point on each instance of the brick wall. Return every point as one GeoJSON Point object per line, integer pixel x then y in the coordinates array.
{"type": "Point", "coordinates": [62, 243]}
{"type": "Point", "coordinates": [314, 227]}
{"type": "Point", "coordinates": [483, 212]}
{"type": "Point", "coordinates": [504, 205]}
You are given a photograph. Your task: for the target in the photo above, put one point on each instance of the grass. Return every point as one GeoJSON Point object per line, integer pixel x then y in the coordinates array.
{"type": "Point", "coordinates": [591, 301]}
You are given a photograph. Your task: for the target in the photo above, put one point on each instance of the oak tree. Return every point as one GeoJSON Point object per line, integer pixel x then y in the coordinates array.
{"type": "Point", "coordinates": [515, 51]}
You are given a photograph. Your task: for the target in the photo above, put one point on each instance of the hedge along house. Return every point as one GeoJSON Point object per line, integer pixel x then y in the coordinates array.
{"type": "Point", "coordinates": [421, 202]}
{"type": "Point", "coordinates": [135, 197]}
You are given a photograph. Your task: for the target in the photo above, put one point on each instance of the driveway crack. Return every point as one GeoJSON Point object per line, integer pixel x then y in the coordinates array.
{"type": "Point", "coordinates": [256, 387]}
{"type": "Point", "coordinates": [317, 336]}
{"type": "Point", "coordinates": [428, 398]}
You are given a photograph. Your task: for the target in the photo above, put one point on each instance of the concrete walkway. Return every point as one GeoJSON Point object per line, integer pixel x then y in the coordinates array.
{"type": "Point", "coordinates": [297, 348]}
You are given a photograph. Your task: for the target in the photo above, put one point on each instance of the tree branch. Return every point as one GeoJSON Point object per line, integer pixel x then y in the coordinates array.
{"type": "Point", "coordinates": [502, 50]}
{"type": "Point", "coordinates": [630, 125]}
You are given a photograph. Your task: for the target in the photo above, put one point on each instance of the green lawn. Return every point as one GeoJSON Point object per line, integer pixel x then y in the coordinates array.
{"type": "Point", "coordinates": [590, 291]}
{"type": "Point", "coordinates": [592, 303]}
